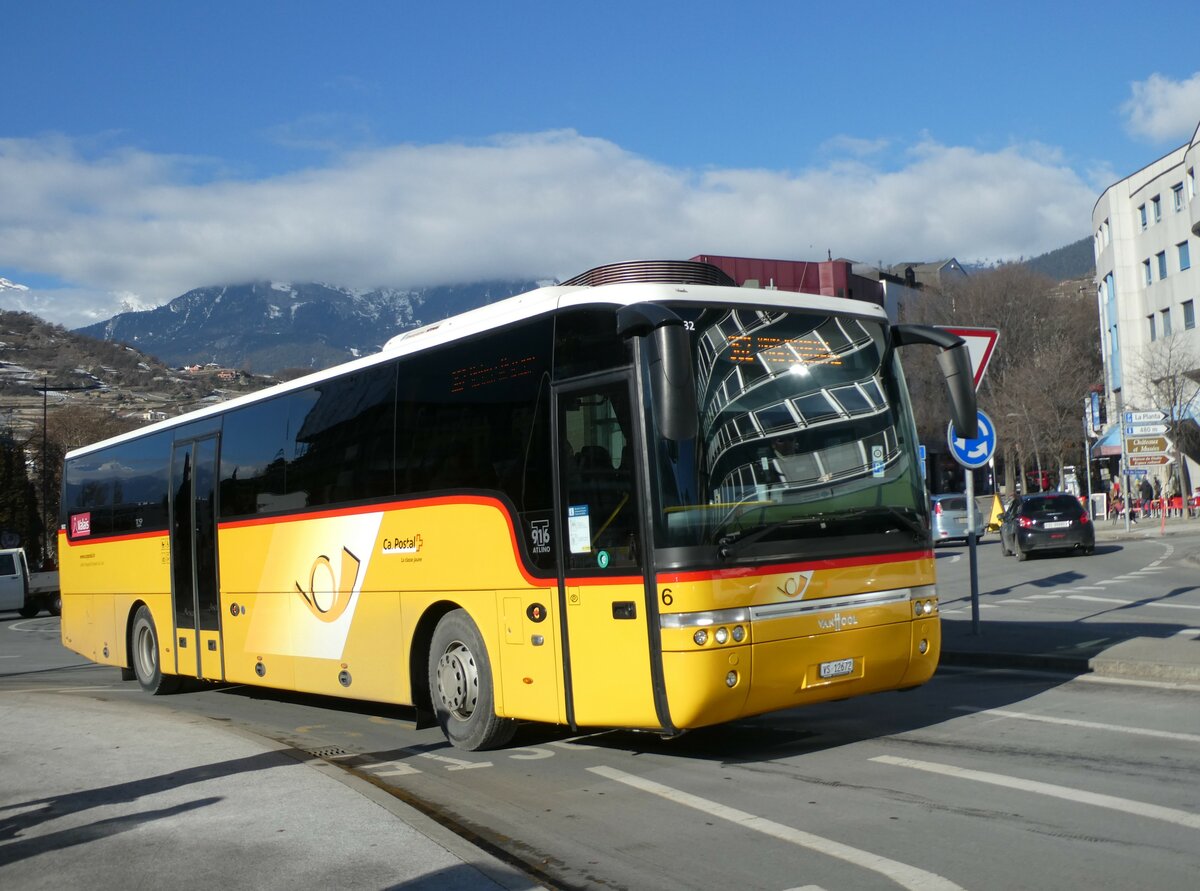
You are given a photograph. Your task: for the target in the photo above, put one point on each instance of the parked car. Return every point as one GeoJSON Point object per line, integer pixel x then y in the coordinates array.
{"type": "Point", "coordinates": [949, 514]}
{"type": "Point", "coordinates": [1046, 521]}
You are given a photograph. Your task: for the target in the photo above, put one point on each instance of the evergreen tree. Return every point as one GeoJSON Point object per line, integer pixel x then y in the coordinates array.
{"type": "Point", "coordinates": [18, 500]}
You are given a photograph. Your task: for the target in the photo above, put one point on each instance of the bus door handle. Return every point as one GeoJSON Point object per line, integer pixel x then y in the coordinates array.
{"type": "Point", "coordinates": [624, 609]}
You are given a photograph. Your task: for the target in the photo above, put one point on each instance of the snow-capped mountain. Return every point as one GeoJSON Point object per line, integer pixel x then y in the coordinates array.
{"type": "Point", "coordinates": [269, 326]}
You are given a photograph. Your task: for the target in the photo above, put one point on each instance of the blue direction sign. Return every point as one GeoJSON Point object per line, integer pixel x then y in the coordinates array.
{"type": "Point", "coordinates": [973, 452]}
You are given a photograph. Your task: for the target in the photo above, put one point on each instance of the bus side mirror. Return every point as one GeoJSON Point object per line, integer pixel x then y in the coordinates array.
{"type": "Point", "coordinates": [955, 363]}
{"type": "Point", "coordinates": [669, 365]}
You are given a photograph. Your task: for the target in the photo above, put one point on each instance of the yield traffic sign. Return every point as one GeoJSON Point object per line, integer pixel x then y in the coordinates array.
{"type": "Point", "coordinates": [980, 344]}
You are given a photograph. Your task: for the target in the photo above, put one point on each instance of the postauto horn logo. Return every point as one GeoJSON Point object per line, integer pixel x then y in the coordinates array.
{"type": "Point", "coordinates": [329, 592]}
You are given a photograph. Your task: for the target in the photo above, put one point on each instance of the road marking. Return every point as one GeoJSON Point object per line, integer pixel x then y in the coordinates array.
{"type": "Point", "coordinates": [1111, 802]}
{"type": "Point", "coordinates": [1174, 605]}
{"type": "Point", "coordinates": [1072, 722]}
{"type": "Point", "coordinates": [1086, 588]}
{"type": "Point", "coordinates": [1099, 599]}
{"type": "Point", "coordinates": [1053, 595]}
{"type": "Point", "coordinates": [901, 873]}
{"type": "Point", "coordinates": [1188, 632]}
{"type": "Point", "coordinates": [393, 769]}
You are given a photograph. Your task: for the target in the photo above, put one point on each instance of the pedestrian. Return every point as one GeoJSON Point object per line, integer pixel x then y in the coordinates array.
{"type": "Point", "coordinates": [1157, 488]}
{"type": "Point", "coordinates": [1142, 499]}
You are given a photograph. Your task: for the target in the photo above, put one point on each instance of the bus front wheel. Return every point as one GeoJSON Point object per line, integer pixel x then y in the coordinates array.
{"type": "Point", "coordinates": [460, 685]}
{"type": "Point", "coordinates": [143, 652]}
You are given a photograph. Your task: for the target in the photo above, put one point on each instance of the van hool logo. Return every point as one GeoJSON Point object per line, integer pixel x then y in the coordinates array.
{"type": "Point", "coordinates": [837, 623]}
{"type": "Point", "coordinates": [411, 545]}
{"type": "Point", "coordinates": [329, 592]}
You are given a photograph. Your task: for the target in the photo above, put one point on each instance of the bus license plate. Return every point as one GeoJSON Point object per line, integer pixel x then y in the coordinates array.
{"type": "Point", "coordinates": [837, 668]}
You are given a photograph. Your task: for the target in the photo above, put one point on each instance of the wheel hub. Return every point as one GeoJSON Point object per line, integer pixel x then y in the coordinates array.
{"type": "Point", "coordinates": [458, 680]}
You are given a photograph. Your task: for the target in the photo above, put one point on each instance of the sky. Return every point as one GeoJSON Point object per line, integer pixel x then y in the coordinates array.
{"type": "Point", "coordinates": [148, 148]}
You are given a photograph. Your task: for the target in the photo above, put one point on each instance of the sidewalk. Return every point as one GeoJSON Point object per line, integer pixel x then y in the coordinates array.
{"type": "Point", "coordinates": [97, 795]}
{"type": "Point", "coordinates": [1132, 651]}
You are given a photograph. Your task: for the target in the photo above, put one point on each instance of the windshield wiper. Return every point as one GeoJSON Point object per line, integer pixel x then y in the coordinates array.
{"type": "Point", "coordinates": [733, 544]}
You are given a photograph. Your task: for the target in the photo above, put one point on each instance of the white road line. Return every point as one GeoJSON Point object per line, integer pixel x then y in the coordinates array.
{"type": "Point", "coordinates": [1053, 595]}
{"type": "Point", "coordinates": [1087, 588]}
{"type": "Point", "coordinates": [1090, 725]}
{"type": "Point", "coordinates": [393, 769]}
{"type": "Point", "coordinates": [901, 873]}
{"type": "Point", "coordinates": [1188, 632]}
{"type": "Point", "coordinates": [1174, 605]}
{"type": "Point", "coordinates": [1099, 599]}
{"type": "Point", "coordinates": [1111, 802]}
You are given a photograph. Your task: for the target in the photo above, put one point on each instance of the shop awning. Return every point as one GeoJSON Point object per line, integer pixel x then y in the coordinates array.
{"type": "Point", "coordinates": [1109, 443]}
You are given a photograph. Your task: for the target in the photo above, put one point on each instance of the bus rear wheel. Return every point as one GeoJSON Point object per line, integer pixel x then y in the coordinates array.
{"type": "Point", "coordinates": [460, 685]}
{"type": "Point", "coordinates": [143, 652]}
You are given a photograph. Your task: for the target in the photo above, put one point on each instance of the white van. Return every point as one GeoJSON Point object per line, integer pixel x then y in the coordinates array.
{"type": "Point", "coordinates": [16, 591]}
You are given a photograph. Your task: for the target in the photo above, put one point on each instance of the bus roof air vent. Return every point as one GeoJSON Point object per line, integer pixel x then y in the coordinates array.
{"type": "Point", "coordinates": [671, 272]}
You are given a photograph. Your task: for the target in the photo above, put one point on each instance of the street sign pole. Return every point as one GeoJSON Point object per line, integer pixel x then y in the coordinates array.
{"type": "Point", "coordinates": [971, 544]}
{"type": "Point", "coordinates": [973, 454]}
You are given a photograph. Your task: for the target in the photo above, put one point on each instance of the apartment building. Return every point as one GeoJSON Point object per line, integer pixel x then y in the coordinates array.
{"type": "Point", "coordinates": [1146, 229]}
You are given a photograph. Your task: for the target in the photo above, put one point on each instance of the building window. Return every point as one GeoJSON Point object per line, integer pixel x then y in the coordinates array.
{"type": "Point", "coordinates": [1153, 332]}
{"type": "Point", "coordinates": [1191, 181]}
{"type": "Point", "coordinates": [1189, 314]}
{"type": "Point", "coordinates": [1161, 256]}
{"type": "Point", "coordinates": [1146, 276]}
{"type": "Point", "coordinates": [1177, 196]}
{"type": "Point", "coordinates": [1156, 203]}
{"type": "Point", "coordinates": [1166, 322]}
{"type": "Point", "coordinates": [1104, 229]}
{"type": "Point", "coordinates": [1185, 257]}
{"type": "Point", "coordinates": [1142, 216]}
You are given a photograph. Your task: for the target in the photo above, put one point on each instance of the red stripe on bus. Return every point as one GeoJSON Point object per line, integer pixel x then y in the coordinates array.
{"type": "Point", "coordinates": [385, 507]}
{"type": "Point", "coordinates": [105, 539]}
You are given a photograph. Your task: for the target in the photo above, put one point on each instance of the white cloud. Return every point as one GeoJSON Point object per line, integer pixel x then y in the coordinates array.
{"type": "Point", "coordinates": [1163, 110]}
{"type": "Point", "coordinates": [525, 206]}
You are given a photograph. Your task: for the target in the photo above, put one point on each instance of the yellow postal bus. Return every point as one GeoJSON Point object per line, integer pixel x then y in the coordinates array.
{"type": "Point", "coordinates": [643, 499]}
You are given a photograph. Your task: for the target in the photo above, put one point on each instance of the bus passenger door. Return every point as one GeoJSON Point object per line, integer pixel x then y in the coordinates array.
{"type": "Point", "coordinates": [607, 652]}
{"type": "Point", "coordinates": [194, 559]}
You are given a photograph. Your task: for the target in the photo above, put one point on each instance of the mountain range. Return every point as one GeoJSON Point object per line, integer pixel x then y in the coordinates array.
{"type": "Point", "coordinates": [270, 327]}
{"type": "Point", "coordinates": [279, 328]}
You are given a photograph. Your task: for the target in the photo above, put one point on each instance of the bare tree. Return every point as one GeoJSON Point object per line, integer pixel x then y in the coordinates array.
{"type": "Point", "coordinates": [1047, 357]}
{"type": "Point", "coordinates": [1169, 372]}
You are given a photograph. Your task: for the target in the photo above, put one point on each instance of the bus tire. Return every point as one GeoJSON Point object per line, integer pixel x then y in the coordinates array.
{"type": "Point", "coordinates": [143, 653]}
{"type": "Point", "coordinates": [29, 611]}
{"type": "Point", "coordinates": [460, 685]}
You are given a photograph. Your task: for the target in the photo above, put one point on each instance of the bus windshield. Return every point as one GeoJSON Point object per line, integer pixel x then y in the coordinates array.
{"type": "Point", "coordinates": [806, 445]}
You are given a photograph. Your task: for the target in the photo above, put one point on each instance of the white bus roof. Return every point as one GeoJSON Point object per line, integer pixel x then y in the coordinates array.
{"type": "Point", "coordinates": [514, 309]}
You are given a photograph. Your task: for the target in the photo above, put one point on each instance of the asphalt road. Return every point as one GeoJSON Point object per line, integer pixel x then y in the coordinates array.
{"type": "Point", "coordinates": [981, 779]}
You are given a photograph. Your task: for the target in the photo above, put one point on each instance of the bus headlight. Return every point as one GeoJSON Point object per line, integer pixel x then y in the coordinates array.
{"type": "Point", "coordinates": [739, 634]}
{"type": "Point", "coordinates": [731, 679]}
{"type": "Point", "coordinates": [721, 635]}
{"type": "Point", "coordinates": [700, 637]}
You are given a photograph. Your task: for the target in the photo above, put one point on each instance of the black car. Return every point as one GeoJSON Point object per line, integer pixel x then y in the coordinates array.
{"type": "Point", "coordinates": [1047, 521]}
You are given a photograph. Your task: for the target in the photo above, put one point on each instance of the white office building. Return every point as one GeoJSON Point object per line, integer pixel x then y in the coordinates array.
{"type": "Point", "coordinates": [1146, 229]}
